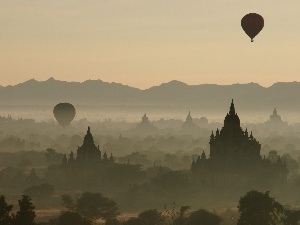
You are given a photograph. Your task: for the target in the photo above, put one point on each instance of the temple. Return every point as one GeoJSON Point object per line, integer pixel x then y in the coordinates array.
{"type": "Point", "coordinates": [88, 152]}
{"type": "Point", "coordinates": [235, 159]}
{"type": "Point", "coordinates": [145, 127]}
{"type": "Point", "coordinates": [275, 120]}
{"type": "Point", "coordinates": [189, 124]}
{"type": "Point", "coordinates": [232, 144]}
{"type": "Point", "coordinates": [145, 121]}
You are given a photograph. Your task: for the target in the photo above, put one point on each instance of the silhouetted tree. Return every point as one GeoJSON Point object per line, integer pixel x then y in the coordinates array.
{"type": "Point", "coordinates": [172, 181]}
{"type": "Point", "coordinates": [52, 157]}
{"type": "Point", "coordinates": [38, 191]}
{"type": "Point", "coordinates": [26, 214]}
{"type": "Point", "coordinates": [32, 178]}
{"type": "Point", "coordinates": [12, 142]}
{"type": "Point", "coordinates": [148, 217]}
{"type": "Point", "coordinates": [112, 221]}
{"type": "Point", "coordinates": [72, 218]}
{"type": "Point", "coordinates": [92, 206]}
{"type": "Point", "coordinates": [203, 217]}
{"type": "Point", "coordinates": [186, 159]}
{"type": "Point", "coordinates": [292, 217]}
{"type": "Point", "coordinates": [5, 212]}
{"type": "Point", "coordinates": [292, 164]}
{"type": "Point", "coordinates": [170, 158]}
{"type": "Point", "coordinates": [134, 221]}
{"type": "Point", "coordinates": [68, 202]}
{"type": "Point", "coordinates": [25, 163]}
{"type": "Point", "coordinates": [11, 175]}
{"type": "Point", "coordinates": [151, 216]}
{"type": "Point", "coordinates": [273, 156]}
{"type": "Point", "coordinates": [259, 208]}
{"type": "Point", "coordinates": [71, 158]}
{"type": "Point", "coordinates": [135, 158]}
{"type": "Point", "coordinates": [181, 219]}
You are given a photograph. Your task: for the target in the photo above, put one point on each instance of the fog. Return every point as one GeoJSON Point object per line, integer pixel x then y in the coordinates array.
{"type": "Point", "coordinates": [143, 157]}
{"type": "Point", "coordinates": [132, 113]}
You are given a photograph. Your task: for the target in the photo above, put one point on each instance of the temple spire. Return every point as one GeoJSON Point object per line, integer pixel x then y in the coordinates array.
{"type": "Point", "coordinates": [88, 138]}
{"type": "Point", "coordinates": [232, 109]}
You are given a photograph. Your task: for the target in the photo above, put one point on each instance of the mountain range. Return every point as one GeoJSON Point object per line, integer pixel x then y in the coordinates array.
{"type": "Point", "coordinates": [96, 92]}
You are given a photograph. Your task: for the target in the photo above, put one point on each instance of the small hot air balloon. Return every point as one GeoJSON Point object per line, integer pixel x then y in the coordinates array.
{"type": "Point", "coordinates": [252, 24]}
{"type": "Point", "coordinates": [64, 113]}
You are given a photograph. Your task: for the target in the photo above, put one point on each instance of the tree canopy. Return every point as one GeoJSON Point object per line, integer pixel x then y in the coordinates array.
{"type": "Point", "coordinates": [92, 206]}
{"type": "Point", "coordinates": [203, 217]}
{"type": "Point", "coordinates": [5, 211]}
{"type": "Point", "coordinates": [72, 218]}
{"type": "Point", "coordinates": [259, 208]}
{"type": "Point", "coordinates": [26, 214]}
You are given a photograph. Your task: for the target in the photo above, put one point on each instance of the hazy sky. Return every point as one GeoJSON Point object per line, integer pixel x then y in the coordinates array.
{"type": "Point", "coordinates": [146, 42]}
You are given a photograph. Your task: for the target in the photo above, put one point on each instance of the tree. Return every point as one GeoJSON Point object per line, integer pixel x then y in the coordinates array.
{"type": "Point", "coordinates": [186, 159]}
{"type": "Point", "coordinates": [92, 206]}
{"type": "Point", "coordinates": [292, 217]}
{"type": "Point", "coordinates": [73, 218]}
{"type": "Point", "coordinates": [135, 158]}
{"type": "Point", "coordinates": [203, 217]}
{"type": "Point", "coordinates": [5, 211]}
{"type": "Point", "coordinates": [134, 221]}
{"type": "Point", "coordinates": [273, 156]}
{"type": "Point", "coordinates": [40, 191]}
{"type": "Point", "coordinates": [148, 217]}
{"type": "Point", "coordinates": [292, 164]}
{"type": "Point", "coordinates": [181, 219]}
{"type": "Point", "coordinates": [259, 208]}
{"type": "Point", "coordinates": [112, 221]}
{"type": "Point", "coordinates": [151, 216]}
{"type": "Point", "coordinates": [26, 214]}
{"type": "Point", "coordinates": [68, 202]}
{"type": "Point", "coordinates": [52, 157]}
{"type": "Point", "coordinates": [170, 158]}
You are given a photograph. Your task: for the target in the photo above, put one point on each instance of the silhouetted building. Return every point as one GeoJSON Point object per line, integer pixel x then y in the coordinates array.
{"type": "Point", "coordinates": [275, 120]}
{"type": "Point", "coordinates": [189, 124]}
{"type": "Point", "coordinates": [145, 122]}
{"type": "Point", "coordinates": [88, 150]}
{"type": "Point", "coordinates": [144, 127]}
{"type": "Point", "coordinates": [232, 143]}
{"type": "Point", "coordinates": [20, 122]}
{"type": "Point", "coordinates": [235, 159]}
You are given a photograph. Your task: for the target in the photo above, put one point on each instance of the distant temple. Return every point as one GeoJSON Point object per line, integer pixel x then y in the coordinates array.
{"type": "Point", "coordinates": [145, 127]}
{"type": "Point", "coordinates": [18, 122]}
{"type": "Point", "coordinates": [275, 120]}
{"type": "Point", "coordinates": [7, 119]}
{"type": "Point", "coordinates": [145, 121]}
{"type": "Point", "coordinates": [87, 152]}
{"type": "Point", "coordinates": [188, 124]}
{"type": "Point", "coordinates": [235, 157]}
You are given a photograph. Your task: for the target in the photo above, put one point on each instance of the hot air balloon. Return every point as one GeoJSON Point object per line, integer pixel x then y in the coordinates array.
{"type": "Point", "coordinates": [252, 24]}
{"type": "Point", "coordinates": [64, 113]}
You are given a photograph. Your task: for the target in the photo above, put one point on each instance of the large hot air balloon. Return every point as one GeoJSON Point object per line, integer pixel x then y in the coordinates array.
{"type": "Point", "coordinates": [252, 24]}
{"type": "Point", "coordinates": [64, 113]}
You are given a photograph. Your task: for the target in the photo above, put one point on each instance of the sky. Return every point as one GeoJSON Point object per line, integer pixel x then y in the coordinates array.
{"type": "Point", "coordinates": [143, 43]}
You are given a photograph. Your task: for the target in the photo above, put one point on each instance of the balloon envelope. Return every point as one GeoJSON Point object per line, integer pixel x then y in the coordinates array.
{"type": "Point", "coordinates": [64, 113]}
{"type": "Point", "coordinates": [252, 24]}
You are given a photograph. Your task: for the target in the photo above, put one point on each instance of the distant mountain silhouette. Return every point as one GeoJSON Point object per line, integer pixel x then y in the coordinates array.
{"type": "Point", "coordinates": [96, 92]}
